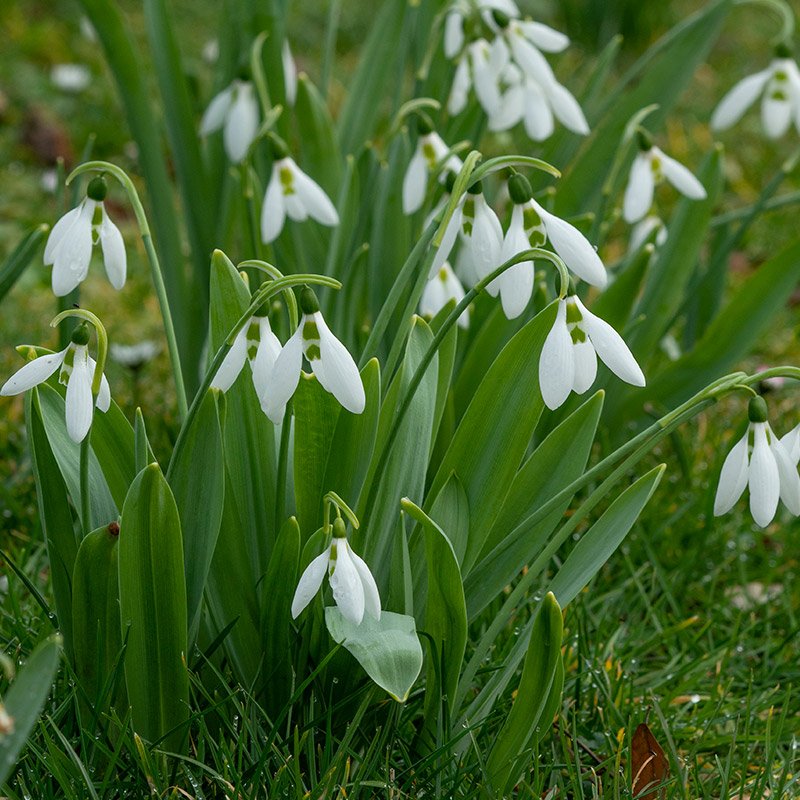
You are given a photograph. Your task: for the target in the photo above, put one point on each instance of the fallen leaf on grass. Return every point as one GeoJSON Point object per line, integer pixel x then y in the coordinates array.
{"type": "Point", "coordinates": [649, 765]}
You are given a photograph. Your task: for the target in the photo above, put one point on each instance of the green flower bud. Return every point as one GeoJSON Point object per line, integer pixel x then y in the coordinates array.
{"type": "Point", "coordinates": [519, 189]}
{"type": "Point", "coordinates": [502, 19]}
{"type": "Point", "coordinates": [476, 187]}
{"type": "Point", "coordinates": [783, 50]}
{"type": "Point", "coordinates": [757, 410]}
{"type": "Point", "coordinates": [97, 189]}
{"type": "Point", "coordinates": [278, 147]}
{"type": "Point", "coordinates": [81, 334]}
{"type": "Point", "coordinates": [424, 125]}
{"type": "Point", "coordinates": [645, 140]}
{"type": "Point", "coordinates": [339, 530]}
{"type": "Point", "coordinates": [308, 301]}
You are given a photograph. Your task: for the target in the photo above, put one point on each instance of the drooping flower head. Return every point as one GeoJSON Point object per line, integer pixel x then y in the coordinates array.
{"type": "Point", "coordinates": [439, 290]}
{"type": "Point", "coordinates": [760, 462]}
{"type": "Point", "coordinates": [69, 246]}
{"type": "Point", "coordinates": [330, 361]}
{"type": "Point", "coordinates": [568, 361]}
{"type": "Point", "coordinates": [354, 588]}
{"type": "Point", "coordinates": [77, 373]}
{"type": "Point", "coordinates": [651, 166]}
{"type": "Point", "coordinates": [235, 110]}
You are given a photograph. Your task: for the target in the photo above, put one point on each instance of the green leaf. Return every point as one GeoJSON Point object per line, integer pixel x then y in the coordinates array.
{"type": "Point", "coordinates": [318, 145]}
{"type": "Point", "coordinates": [113, 443]}
{"type": "Point", "coordinates": [616, 303]}
{"type": "Point", "coordinates": [493, 435]}
{"type": "Point", "coordinates": [447, 357]}
{"type": "Point", "coordinates": [198, 471]}
{"type": "Point", "coordinates": [541, 665]}
{"type": "Point", "coordinates": [445, 613]}
{"type": "Point", "coordinates": [19, 259]}
{"type": "Point", "coordinates": [388, 649]}
{"type": "Point", "coordinates": [141, 444]}
{"type": "Point", "coordinates": [152, 597]}
{"type": "Point", "coordinates": [25, 699]}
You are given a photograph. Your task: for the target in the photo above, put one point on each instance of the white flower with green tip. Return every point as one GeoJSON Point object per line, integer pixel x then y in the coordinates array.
{"type": "Point", "coordinates": [439, 290]}
{"type": "Point", "coordinates": [77, 373]}
{"type": "Point", "coordinates": [235, 111]}
{"type": "Point", "coordinates": [429, 152]}
{"type": "Point", "coordinates": [759, 461]}
{"type": "Point", "coordinates": [330, 361]}
{"type": "Point", "coordinates": [642, 230]}
{"type": "Point", "coordinates": [791, 443]}
{"type": "Point", "coordinates": [354, 588]}
{"type": "Point", "coordinates": [568, 361]}
{"type": "Point", "coordinates": [69, 246]}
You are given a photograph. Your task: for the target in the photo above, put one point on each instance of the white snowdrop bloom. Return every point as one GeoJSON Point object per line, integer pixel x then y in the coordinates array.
{"type": "Point", "coordinates": [133, 356]}
{"type": "Point", "coordinates": [568, 361]}
{"type": "Point", "coordinates": [71, 78]}
{"type": "Point", "coordinates": [650, 167]}
{"type": "Point", "coordinates": [453, 32]}
{"type": "Point", "coordinates": [76, 372]}
{"type": "Point", "coordinates": [791, 444]}
{"type": "Point", "coordinates": [354, 588]}
{"type": "Point", "coordinates": [480, 233]}
{"type": "Point", "coordinates": [439, 290]}
{"type": "Point", "coordinates": [330, 361]}
{"type": "Point", "coordinates": [69, 246]}
{"type": "Point", "coordinates": [235, 110]}
{"type": "Point", "coordinates": [289, 73]}
{"type": "Point", "coordinates": [760, 462]}
{"type": "Point", "coordinates": [210, 51]}
{"type": "Point", "coordinates": [429, 152]}
{"type": "Point", "coordinates": [488, 64]}
{"type": "Point", "coordinates": [459, 91]}
{"type": "Point", "coordinates": [779, 88]}
{"type": "Point", "coordinates": [257, 344]}
{"type": "Point", "coordinates": [292, 193]}
{"type": "Point", "coordinates": [641, 231]}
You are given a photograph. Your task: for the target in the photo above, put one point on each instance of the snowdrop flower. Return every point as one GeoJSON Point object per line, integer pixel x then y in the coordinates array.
{"type": "Point", "coordinates": [791, 444]}
{"type": "Point", "coordinates": [459, 91]}
{"type": "Point", "coordinates": [440, 289]}
{"type": "Point", "coordinates": [71, 78]}
{"type": "Point", "coordinates": [331, 363]}
{"type": "Point", "coordinates": [257, 344]}
{"type": "Point", "coordinates": [453, 32]}
{"type": "Point", "coordinates": [134, 356]}
{"type": "Point", "coordinates": [289, 73]}
{"type": "Point", "coordinates": [69, 246]}
{"type": "Point", "coordinates": [235, 110]}
{"type": "Point", "coordinates": [354, 588]}
{"type": "Point", "coordinates": [761, 462]}
{"type": "Point", "coordinates": [569, 356]}
{"type": "Point", "coordinates": [77, 373]}
{"type": "Point", "coordinates": [641, 231]}
{"type": "Point", "coordinates": [779, 87]}
{"type": "Point", "coordinates": [292, 193]}
{"type": "Point", "coordinates": [650, 167]}
{"type": "Point", "coordinates": [430, 151]}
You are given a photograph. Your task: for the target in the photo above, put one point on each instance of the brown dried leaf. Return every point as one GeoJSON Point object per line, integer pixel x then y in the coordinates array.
{"type": "Point", "coordinates": [649, 765]}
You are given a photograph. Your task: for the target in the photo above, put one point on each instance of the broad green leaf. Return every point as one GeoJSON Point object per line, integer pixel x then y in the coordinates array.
{"type": "Point", "coordinates": [450, 511]}
{"type": "Point", "coordinates": [318, 145]}
{"type": "Point", "coordinates": [616, 303]}
{"type": "Point", "coordinates": [55, 516]}
{"type": "Point", "coordinates": [493, 435]}
{"type": "Point", "coordinates": [19, 258]}
{"type": "Point", "coordinates": [113, 443]}
{"type": "Point", "coordinates": [198, 471]}
{"type": "Point", "coordinates": [95, 609]}
{"type": "Point", "coordinates": [152, 598]}
{"type": "Point", "coordinates": [388, 649]}
{"type": "Point", "coordinates": [541, 665]}
{"type": "Point", "coordinates": [141, 444]}
{"type": "Point", "coordinates": [445, 613]}
{"type": "Point", "coordinates": [25, 699]}
{"type": "Point", "coordinates": [447, 357]}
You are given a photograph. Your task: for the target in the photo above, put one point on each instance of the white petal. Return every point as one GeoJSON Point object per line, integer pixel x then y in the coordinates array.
{"type": "Point", "coordinates": [269, 348]}
{"type": "Point", "coordinates": [732, 478]}
{"type": "Point", "coordinates": [791, 443]}
{"type": "Point", "coordinates": [74, 252]}
{"type": "Point", "coordinates": [516, 283]}
{"type": "Point", "coordinates": [348, 591]}
{"type": "Point", "coordinates": [789, 478]}
{"type": "Point", "coordinates": [539, 123]}
{"type": "Point", "coordinates": [434, 297]}
{"type": "Point", "coordinates": [556, 362]}
{"type": "Point", "coordinates": [453, 34]}
{"type": "Point", "coordinates": [232, 363]}
{"type": "Point", "coordinates": [574, 248]}
{"type": "Point", "coordinates": [372, 598]}
{"type": "Point", "coordinates": [530, 60]}
{"type": "Point", "coordinates": [610, 346]}
{"type": "Point", "coordinates": [273, 212]}
{"type": "Point", "coordinates": [455, 291]}
{"type": "Point", "coordinates": [486, 242]}
{"type": "Point", "coordinates": [33, 373]}
{"type": "Point", "coordinates": [499, 56]}
{"type": "Point", "coordinates": [316, 202]}
{"type": "Point", "coordinates": [289, 73]}
{"type": "Point", "coordinates": [585, 360]}
{"type": "Point", "coordinates": [103, 400]}
{"type": "Point", "coordinates": [544, 37]}
{"type": "Point", "coordinates": [776, 116]}
{"type": "Point", "coordinates": [739, 99]}
{"type": "Point", "coordinates": [58, 232]}
{"type": "Point", "coordinates": [457, 100]}
{"type": "Point", "coordinates": [415, 182]}
{"type": "Point", "coordinates": [511, 109]}
{"type": "Point", "coordinates": [484, 78]}
{"type": "Point", "coordinates": [448, 240]}
{"type": "Point", "coordinates": [285, 376]}
{"type": "Point", "coordinates": [641, 231]}
{"type": "Point", "coordinates": [217, 111]}
{"type": "Point", "coordinates": [639, 191]}
{"type": "Point", "coordinates": [566, 108]}
{"type": "Point", "coordinates": [79, 404]}
{"type": "Point", "coordinates": [337, 371]}
{"type": "Point", "coordinates": [113, 252]}
{"type": "Point", "coordinates": [764, 479]}
{"type": "Point", "coordinates": [309, 582]}
{"type": "Point", "coordinates": [241, 124]}
{"type": "Point", "coordinates": [465, 268]}
{"type": "Point", "coordinates": [681, 178]}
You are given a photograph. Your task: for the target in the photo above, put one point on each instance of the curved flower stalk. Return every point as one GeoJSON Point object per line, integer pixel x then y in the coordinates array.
{"type": "Point", "coordinates": [759, 461]}
{"type": "Point", "coordinates": [569, 356]}
{"type": "Point", "coordinates": [779, 88]}
{"type": "Point", "coordinates": [430, 150]}
{"type": "Point", "coordinates": [292, 193]}
{"type": "Point", "coordinates": [651, 166]}
{"type": "Point", "coordinates": [235, 111]}
{"type": "Point", "coordinates": [354, 588]}
{"type": "Point", "coordinates": [439, 290]}
{"type": "Point", "coordinates": [330, 361]}
{"type": "Point", "coordinates": [69, 247]}
{"type": "Point", "coordinates": [77, 372]}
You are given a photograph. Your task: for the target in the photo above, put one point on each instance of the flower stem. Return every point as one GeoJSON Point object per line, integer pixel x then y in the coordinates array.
{"type": "Point", "coordinates": [283, 467]}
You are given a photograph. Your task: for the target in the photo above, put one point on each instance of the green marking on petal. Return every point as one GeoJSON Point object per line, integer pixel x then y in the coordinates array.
{"type": "Point", "coordinates": [310, 332]}
{"type": "Point", "coordinates": [468, 209]}
{"type": "Point", "coordinates": [97, 215]}
{"type": "Point", "coordinates": [313, 352]}
{"type": "Point", "coordinates": [781, 76]}
{"type": "Point", "coordinates": [430, 154]}
{"type": "Point", "coordinates": [530, 218]}
{"type": "Point", "coordinates": [287, 180]}
{"type": "Point", "coordinates": [578, 335]}
{"type": "Point", "coordinates": [778, 94]}
{"type": "Point", "coordinates": [467, 228]}
{"type": "Point", "coordinates": [537, 238]}
{"type": "Point", "coordinates": [573, 313]}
